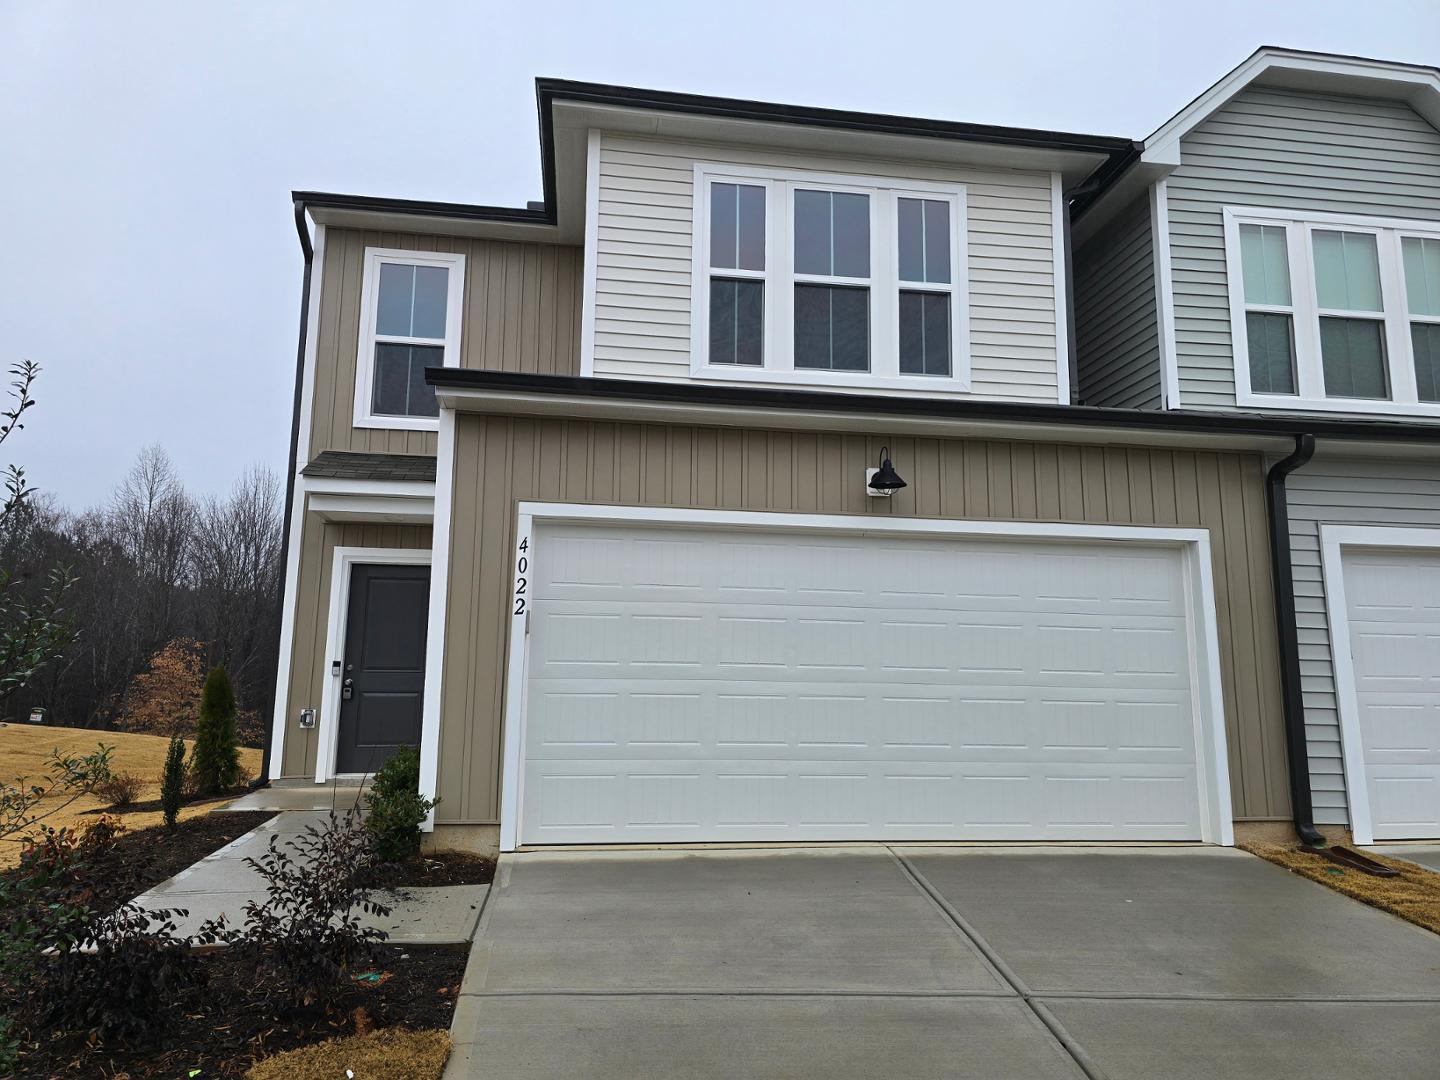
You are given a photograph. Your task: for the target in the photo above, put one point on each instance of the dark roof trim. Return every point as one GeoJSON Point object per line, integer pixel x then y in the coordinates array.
{"type": "Point", "coordinates": [1119, 152]}
{"type": "Point", "coordinates": [356, 465]}
{"type": "Point", "coordinates": [686, 393]}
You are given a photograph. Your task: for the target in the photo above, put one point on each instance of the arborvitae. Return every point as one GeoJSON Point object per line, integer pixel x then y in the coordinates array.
{"type": "Point", "coordinates": [217, 759]}
{"type": "Point", "coordinates": [172, 781]}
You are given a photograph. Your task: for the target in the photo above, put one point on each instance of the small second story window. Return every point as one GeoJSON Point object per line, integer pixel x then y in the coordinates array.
{"type": "Point", "coordinates": [926, 294]}
{"type": "Point", "coordinates": [410, 321]}
{"type": "Point", "coordinates": [1335, 313]}
{"type": "Point", "coordinates": [737, 274]}
{"type": "Point", "coordinates": [832, 280]}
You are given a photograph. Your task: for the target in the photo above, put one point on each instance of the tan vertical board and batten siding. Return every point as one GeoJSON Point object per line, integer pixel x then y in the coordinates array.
{"type": "Point", "coordinates": [643, 260]}
{"type": "Point", "coordinates": [1340, 492]}
{"type": "Point", "coordinates": [522, 313]}
{"type": "Point", "coordinates": [1117, 333]}
{"type": "Point", "coordinates": [1287, 149]}
{"type": "Point", "coordinates": [310, 651]}
{"type": "Point", "coordinates": [500, 461]}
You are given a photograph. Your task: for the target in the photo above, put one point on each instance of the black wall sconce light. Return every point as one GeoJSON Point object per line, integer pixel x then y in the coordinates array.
{"type": "Point", "coordinates": [884, 481]}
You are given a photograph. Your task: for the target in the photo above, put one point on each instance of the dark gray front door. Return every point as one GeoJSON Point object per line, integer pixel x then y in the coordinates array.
{"type": "Point", "coordinates": [383, 680]}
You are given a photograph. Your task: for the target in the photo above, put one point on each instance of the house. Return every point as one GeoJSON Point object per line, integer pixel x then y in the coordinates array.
{"type": "Point", "coordinates": [1275, 252]}
{"type": "Point", "coordinates": [596, 500]}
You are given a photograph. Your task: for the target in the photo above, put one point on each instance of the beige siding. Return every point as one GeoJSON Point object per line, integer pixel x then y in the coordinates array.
{"type": "Point", "coordinates": [310, 650]}
{"type": "Point", "coordinates": [499, 461]}
{"type": "Point", "coordinates": [643, 260]}
{"type": "Point", "coordinates": [1292, 150]}
{"type": "Point", "coordinates": [522, 313]}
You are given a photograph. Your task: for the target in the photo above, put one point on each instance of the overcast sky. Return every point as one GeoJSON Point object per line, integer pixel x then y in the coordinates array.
{"type": "Point", "coordinates": [147, 152]}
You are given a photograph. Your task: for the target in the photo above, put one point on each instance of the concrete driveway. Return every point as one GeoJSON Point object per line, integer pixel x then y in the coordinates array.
{"type": "Point", "coordinates": [930, 962]}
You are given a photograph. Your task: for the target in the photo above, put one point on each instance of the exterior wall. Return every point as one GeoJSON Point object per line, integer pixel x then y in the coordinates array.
{"type": "Point", "coordinates": [500, 460]}
{"type": "Point", "coordinates": [643, 260]}
{"type": "Point", "coordinates": [318, 540]}
{"type": "Point", "coordinates": [1117, 330]}
{"type": "Point", "coordinates": [522, 313]}
{"type": "Point", "coordinates": [1281, 148]}
{"type": "Point", "coordinates": [1342, 492]}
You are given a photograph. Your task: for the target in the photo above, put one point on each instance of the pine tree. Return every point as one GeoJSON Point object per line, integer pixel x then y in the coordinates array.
{"type": "Point", "coordinates": [172, 780]}
{"type": "Point", "coordinates": [217, 759]}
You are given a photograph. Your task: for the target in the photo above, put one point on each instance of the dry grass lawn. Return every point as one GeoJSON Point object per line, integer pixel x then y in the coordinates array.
{"type": "Point", "coordinates": [387, 1054]}
{"type": "Point", "coordinates": [24, 748]}
{"type": "Point", "coordinates": [1414, 895]}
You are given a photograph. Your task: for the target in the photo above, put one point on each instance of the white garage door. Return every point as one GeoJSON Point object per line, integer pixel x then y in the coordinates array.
{"type": "Point", "coordinates": [709, 685]}
{"type": "Point", "coordinates": [1393, 602]}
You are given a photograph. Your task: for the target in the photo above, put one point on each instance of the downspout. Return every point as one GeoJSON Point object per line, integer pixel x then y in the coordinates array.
{"type": "Point", "coordinates": [307, 249]}
{"type": "Point", "coordinates": [1292, 700]}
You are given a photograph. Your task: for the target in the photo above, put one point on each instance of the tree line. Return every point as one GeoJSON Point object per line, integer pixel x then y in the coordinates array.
{"type": "Point", "coordinates": [164, 584]}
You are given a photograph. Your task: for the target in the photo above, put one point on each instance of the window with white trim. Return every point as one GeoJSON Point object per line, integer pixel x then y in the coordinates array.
{"type": "Point", "coordinates": [818, 279]}
{"type": "Point", "coordinates": [1336, 313]}
{"type": "Point", "coordinates": [409, 320]}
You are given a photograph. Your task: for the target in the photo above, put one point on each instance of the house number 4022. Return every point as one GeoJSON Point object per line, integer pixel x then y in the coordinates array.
{"type": "Point", "coordinates": [522, 567]}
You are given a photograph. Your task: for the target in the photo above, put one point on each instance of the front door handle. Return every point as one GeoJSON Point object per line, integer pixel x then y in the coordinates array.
{"type": "Point", "coordinates": [347, 689]}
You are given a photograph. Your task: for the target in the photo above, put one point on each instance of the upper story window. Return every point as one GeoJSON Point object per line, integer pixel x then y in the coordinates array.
{"type": "Point", "coordinates": [409, 320]}
{"type": "Point", "coordinates": [1334, 313]}
{"type": "Point", "coordinates": [829, 280]}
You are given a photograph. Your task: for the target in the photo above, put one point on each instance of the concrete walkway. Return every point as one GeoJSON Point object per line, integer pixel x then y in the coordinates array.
{"type": "Point", "coordinates": [1036, 963]}
{"type": "Point", "coordinates": [222, 884]}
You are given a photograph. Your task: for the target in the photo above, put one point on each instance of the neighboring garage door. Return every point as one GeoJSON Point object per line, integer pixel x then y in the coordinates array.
{"type": "Point", "coordinates": [1393, 606]}
{"type": "Point", "coordinates": [699, 684]}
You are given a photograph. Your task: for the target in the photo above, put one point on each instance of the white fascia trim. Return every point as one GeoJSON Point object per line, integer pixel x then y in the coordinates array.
{"type": "Point", "coordinates": [1164, 295]}
{"type": "Point", "coordinates": [1334, 539]}
{"type": "Point", "coordinates": [592, 251]}
{"type": "Point", "coordinates": [1213, 776]}
{"type": "Point", "coordinates": [343, 563]}
{"type": "Point", "coordinates": [439, 605]}
{"type": "Point", "coordinates": [1062, 289]}
{"type": "Point", "coordinates": [412, 510]}
{"type": "Point", "coordinates": [454, 262]}
{"type": "Point", "coordinates": [333, 485]}
{"type": "Point", "coordinates": [1410, 81]}
{"type": "Point", "coordinates": [290, 598]}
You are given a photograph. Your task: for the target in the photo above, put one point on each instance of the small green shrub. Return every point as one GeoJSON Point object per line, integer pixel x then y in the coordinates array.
{"type": "Point", "coordinates": [120, 790]}
{"type": "Point", "coordinates": [216, 756]}
{"type": "Point", "coordinates": [396, 807]}
{"type": "Point", "coordinates": [172, 781]}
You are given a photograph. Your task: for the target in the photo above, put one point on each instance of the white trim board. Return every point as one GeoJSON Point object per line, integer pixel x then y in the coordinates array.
{"type": "Point", "coordinates": [344, 560]}
{"type": "Point", "coordinates": [1164, 295]}
{"type": "Point", "coordinates": [1062, 271]}
{"type": "Point", "coordinates": [1213, 767]}
{"type": "Point", "coordinates": [1334, 540]}
{"type": "Point", "coordinates": [592, 252]}
{"type": "Point", "coordinates": [439, 606]}
{"type": "Point", "coordinates": [290, 599]}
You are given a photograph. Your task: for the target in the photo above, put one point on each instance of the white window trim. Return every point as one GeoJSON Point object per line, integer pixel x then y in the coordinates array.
{"type": "Point", "coordinates": [365, 356]}
{"type": "Point", "coordinates": [1309, 379]}
{"type": "Point", "coordinates": [1212, 778]}
{"type": "Point", "coordinates": [1335, 540]}
{"type": "Point", "coordinates": [343, 563]}
{"type": "Point", "coordinates": [779, 278]}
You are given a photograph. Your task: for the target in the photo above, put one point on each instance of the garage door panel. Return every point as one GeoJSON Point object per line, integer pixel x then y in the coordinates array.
{"type": "Point", "coordinates": [744, 686]}
{"type": "Point", "coordinates": [1393, 608]}
{"type": "Point", "coordinates": [726, 800]}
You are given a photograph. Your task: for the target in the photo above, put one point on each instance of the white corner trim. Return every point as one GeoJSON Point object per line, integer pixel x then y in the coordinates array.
{"type": "Point", "coordinates": [343, 561]}
{"type": "Point", "coordinates": [439, 603]}
{"type": "Point", "coordinates": [1212, 761]}
{"type": "Point", "coordinates": [1334, 539]}
{"type": "Point", "coordinates": [1164, 295]}
{"type": "Point", "coordinates": [290, 596]}
{"type": "Point", "coordinates": [592, 251]}
{"type": "Point", "coordinates": [454, 262]}
{"type": "Point", "coordinates": [1063, 358]}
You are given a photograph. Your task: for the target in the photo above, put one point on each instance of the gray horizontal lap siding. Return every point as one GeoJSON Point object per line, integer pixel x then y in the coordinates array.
{"type": "Point", "coordinates": [1117, 339]}
{"type": "Point", "coordinates": [1281, 148]}
{"type": "Point", "coordinates": [1341, 492]}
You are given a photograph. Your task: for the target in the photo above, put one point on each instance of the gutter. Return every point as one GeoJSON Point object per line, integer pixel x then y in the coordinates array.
{"type": "Point", "coordinates": [1283, 586]}
{"type": "Point", "coordinates": [307, 249]}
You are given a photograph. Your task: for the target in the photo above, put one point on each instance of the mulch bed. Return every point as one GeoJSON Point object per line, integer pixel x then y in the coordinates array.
{"type": "Point", "coordinates": [141, 859]}
{"type": "Point", "coordinates": [233, 1021]}
{"type": "Point", "coordinates": [1414, 895]}
{"type": "Point", "coordinates": [430, 869]}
